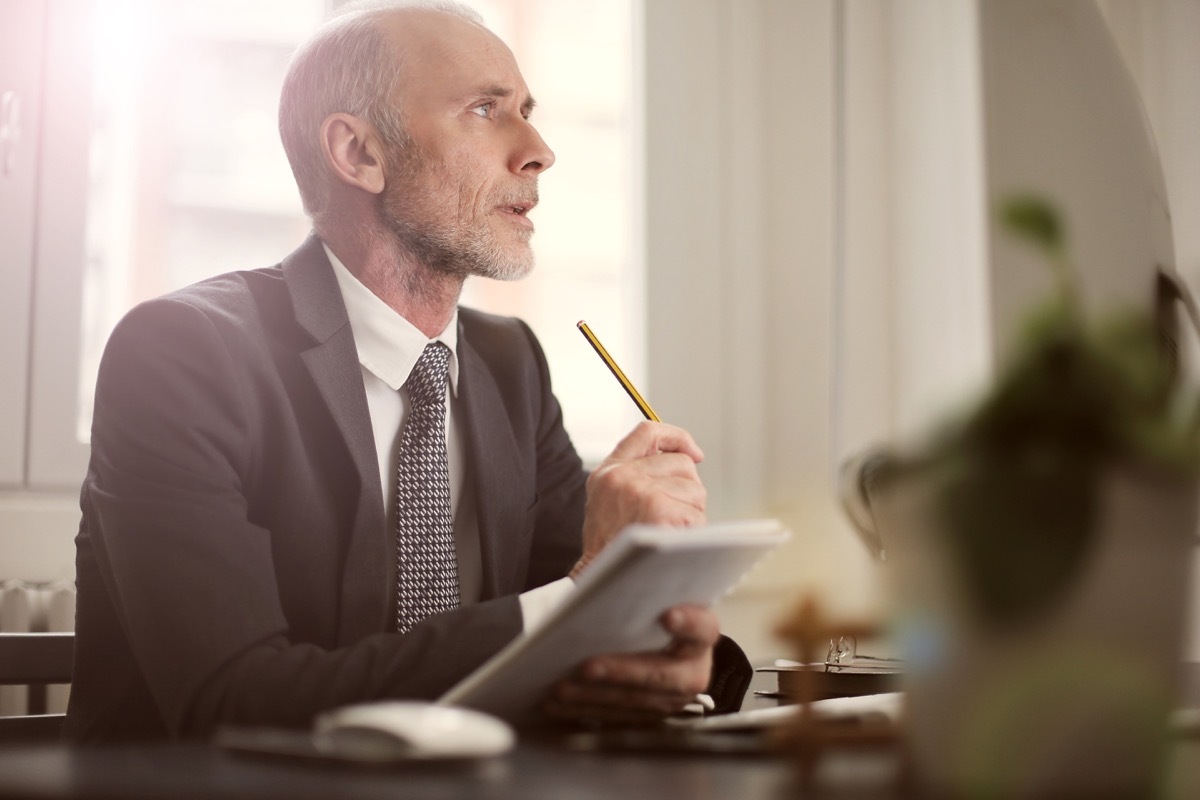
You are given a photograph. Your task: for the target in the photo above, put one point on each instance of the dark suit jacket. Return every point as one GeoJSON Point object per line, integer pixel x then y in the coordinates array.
{"type": "Point", "coordinates": [233, 562]}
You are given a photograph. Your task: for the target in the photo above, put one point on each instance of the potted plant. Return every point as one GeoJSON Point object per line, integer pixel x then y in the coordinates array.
{"type": "Point", "coordinates": [1041, 545]}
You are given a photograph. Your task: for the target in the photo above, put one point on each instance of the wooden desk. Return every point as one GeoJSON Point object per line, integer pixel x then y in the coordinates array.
{"type": "Point", "coordinates": [531, 772]}
{"type": "Point", "coordinates": [534, 771]}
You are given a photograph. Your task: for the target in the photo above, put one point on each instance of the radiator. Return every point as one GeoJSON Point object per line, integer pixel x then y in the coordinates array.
{"type": "Point", "coordinates": [35, 607]}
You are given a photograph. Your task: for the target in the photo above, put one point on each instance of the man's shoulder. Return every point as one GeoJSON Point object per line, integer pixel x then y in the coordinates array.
{"type": "Point", "coordinates": [243, 313]}
{"type": "Point", "coordinates": [230, 291]}
{"type": "Point", "coordinates": [266, 294]}
{"type": "Point", "coordinates": [473, 319]}
{"type": "Point", "coordinates": [493, 333]}
{"type": "Point", "coordinates": [234, 299]}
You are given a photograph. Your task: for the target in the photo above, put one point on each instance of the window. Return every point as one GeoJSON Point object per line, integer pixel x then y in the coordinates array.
{"type": "Point", "coordinates": [185, 178]}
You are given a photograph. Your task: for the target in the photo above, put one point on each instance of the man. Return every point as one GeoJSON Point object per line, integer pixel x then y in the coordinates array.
{"type": "Point", "coordinates": [285, 508]}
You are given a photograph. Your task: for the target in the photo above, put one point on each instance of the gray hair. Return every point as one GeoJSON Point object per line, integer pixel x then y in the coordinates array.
{"type": "Point", "coordinates": [347, 66]}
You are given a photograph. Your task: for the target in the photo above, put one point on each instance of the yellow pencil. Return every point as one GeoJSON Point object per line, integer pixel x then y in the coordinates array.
{"type": "Point", "coordinates": [646, 410]}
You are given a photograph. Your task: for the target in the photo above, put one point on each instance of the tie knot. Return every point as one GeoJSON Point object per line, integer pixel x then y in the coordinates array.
{"type": "Point", "coordinates": [427, 382]}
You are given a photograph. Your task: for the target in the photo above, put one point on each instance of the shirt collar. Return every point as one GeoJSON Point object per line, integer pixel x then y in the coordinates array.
{"type": "Point", "coordinates": [388, 344]}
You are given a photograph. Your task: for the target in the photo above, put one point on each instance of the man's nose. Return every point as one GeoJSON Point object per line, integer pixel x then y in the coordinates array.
{"type": "Point", "coordinates": [533, 155]}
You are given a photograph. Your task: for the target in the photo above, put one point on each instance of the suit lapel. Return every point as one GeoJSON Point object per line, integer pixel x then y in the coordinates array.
{"type": "Point", "coordinates": [500, 477]}
{"type": "Point", "coordinates": [333, 365]}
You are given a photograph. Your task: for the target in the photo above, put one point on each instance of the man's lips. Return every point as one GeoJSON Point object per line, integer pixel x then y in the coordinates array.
{"type": "Point", "coordinates": [521, 207]}
{"type": "Point", "coordinates": [518, 210]}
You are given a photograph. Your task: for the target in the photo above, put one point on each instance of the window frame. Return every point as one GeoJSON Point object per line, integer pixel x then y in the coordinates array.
{"type": "Point", "coordinates": [21, 63]}
{"type": "Point", "coordinates": [56, 459]}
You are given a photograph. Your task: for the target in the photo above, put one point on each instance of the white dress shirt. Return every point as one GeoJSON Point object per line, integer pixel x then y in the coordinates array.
{"type": "Point", "coordinates": [388, 348]}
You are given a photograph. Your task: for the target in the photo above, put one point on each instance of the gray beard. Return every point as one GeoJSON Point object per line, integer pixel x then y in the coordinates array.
{"type": "Point", "coordinates": [457, 251]}
{"type": "Point", "coordinates": [450, 248]}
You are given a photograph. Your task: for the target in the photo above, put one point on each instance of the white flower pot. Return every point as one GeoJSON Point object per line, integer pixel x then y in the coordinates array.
{"type": "Point", "coordinates": [1071, 703]}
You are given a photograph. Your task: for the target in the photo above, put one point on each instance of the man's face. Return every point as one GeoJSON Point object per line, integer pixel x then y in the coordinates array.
{"type": "Point", "coordinates": [459, 190]}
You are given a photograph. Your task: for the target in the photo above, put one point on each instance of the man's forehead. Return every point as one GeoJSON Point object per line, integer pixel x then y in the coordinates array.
{"type": "Point", "coordinates": [433, 44]}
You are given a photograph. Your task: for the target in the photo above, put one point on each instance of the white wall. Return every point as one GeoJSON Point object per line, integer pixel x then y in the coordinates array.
{"type": "Point", "coordinates": [37, 535]}
{"type": "Point", "coordinates": [800, 309]}
{"type": "Point", "coordinates": [741, 237]}
{"type": "Point", "coordinates": [815, 238]}
{"type": "Point", "coordinates": [1159, 41]}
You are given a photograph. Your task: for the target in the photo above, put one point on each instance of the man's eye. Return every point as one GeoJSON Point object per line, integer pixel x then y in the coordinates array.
{"type": "Point", "coordinates": [484, 110]}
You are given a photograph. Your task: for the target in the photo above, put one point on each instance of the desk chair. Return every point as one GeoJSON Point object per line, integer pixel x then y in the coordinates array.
{"type": "Point", "coordinates": [35, 659]}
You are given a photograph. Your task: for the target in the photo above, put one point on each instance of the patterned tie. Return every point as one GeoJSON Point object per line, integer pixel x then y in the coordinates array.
{"type": "Point", "coordinates": [426, 563]}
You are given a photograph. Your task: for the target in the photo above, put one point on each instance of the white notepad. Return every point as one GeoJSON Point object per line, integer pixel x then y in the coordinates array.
{"type": "Point", "coordinates": [616, 607]}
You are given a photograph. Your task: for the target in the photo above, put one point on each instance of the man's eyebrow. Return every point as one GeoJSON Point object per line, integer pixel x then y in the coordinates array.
{"type": "Point", "coordinates": [504, 91]}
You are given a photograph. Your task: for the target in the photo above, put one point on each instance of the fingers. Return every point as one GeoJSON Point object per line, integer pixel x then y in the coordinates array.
{"type": "Point", "coordinates": [624, 475]}
{"type": "Point", "coordinates": [615, 501]}
{"type": "Point", "coordinates": [649, 438]}
{"type": "Point", "coordinates": [683, 666]}
{"type": "Point", "coordinates": [645, 492]}
{"type": "Point", "coordinates": [576, 700]}
{"type": "Point", "coordinates": [660, 488]}
{"type": "Point", "coordinates": [640, 687]}
{"type": "Point", "coordinates": [650, 478]}
{"type": "Point", "coordinates": [657, 673]}
{"type": "Point", "coordinates": [694, 631]}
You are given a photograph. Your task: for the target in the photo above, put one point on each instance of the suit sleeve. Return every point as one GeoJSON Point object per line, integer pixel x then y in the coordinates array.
{"type": "Point", "coordinates": [191, 578]}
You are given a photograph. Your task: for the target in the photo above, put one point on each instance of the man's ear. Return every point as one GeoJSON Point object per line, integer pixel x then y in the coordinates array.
{"type": "Point", "coordinates": [352, 150]}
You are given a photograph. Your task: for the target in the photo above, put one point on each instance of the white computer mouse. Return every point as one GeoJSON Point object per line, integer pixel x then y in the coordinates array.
{"type": "Point", "coordinates": [399, 729]}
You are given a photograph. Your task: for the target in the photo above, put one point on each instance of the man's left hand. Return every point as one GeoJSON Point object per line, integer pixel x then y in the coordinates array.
{"type": "Point", "coordinates": [639, 688]}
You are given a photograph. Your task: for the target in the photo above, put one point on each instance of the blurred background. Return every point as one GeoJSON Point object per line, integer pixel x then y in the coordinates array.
{"type": "Point", "coordinates": [769, 210]}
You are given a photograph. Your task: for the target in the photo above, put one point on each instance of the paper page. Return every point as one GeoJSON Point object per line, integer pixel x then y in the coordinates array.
{"type": "Point", "coordinates": [616, 608]}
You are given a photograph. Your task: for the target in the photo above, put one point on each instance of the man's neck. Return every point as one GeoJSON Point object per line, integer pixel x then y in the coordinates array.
{"type": "Point", "coordinates": [424, 297]}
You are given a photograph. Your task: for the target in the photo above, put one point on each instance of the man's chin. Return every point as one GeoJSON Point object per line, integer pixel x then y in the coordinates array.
{"type": "Point", "coordinates": [508, 272]}
{"type": "Point", "coordinates": [512, 265]}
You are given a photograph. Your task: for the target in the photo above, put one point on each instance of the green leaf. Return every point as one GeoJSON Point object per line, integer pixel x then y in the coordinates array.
{"type": "Point", "coordinates": [1034, 219]}
{"type": "Point", "coordinates": [1020, 474]}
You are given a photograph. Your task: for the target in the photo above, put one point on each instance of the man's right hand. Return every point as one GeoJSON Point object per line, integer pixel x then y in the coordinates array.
{"type": "Point", "coordinates": [639, 688]}
{"type": "Point", "coordinates": [650, 477]}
